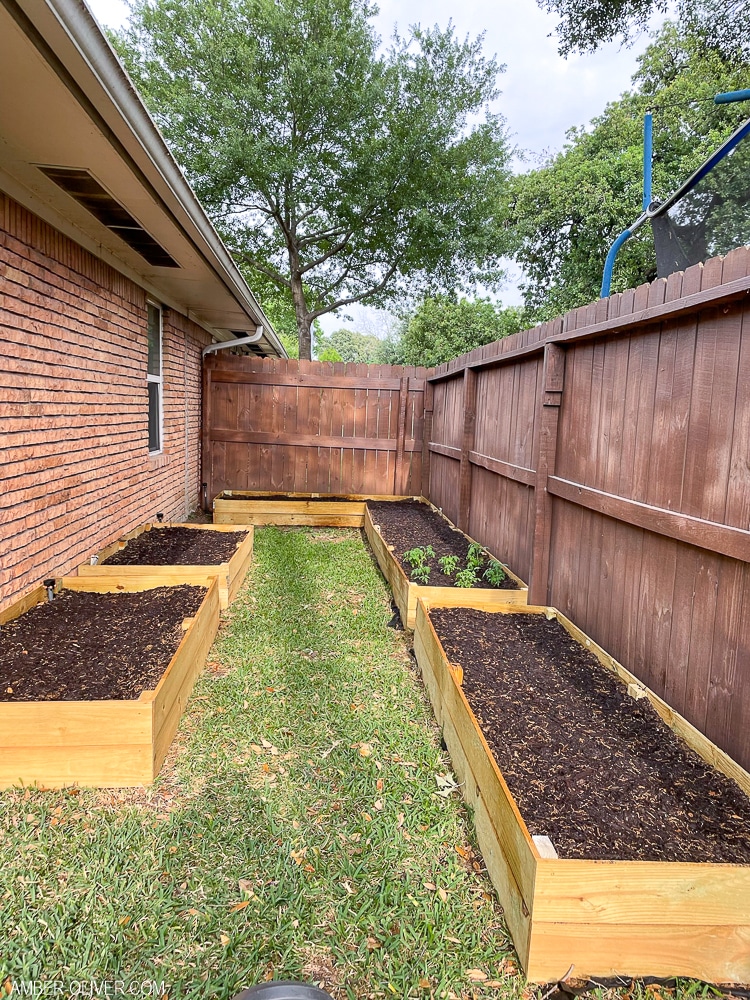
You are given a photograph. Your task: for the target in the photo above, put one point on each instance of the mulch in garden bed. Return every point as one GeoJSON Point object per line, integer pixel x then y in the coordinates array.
{"type": "Point", "coordinates": [595, 770]}
{"type": "Point", "coordinates": [87, 646]}
{"type": "Point", "coordinates": [178, 547]}
{"type": "Point", "coordinates": [407, 524]}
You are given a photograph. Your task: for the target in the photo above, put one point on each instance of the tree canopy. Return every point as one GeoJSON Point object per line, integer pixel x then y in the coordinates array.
{"type": "Point", "coordinates": [441, 328]}
{"type": "Point", "coordinates": [333, 170]}
{"type": "Point", "coordinates": [562, 217]}
{"type": "Point", "coordinates": [349, 345]}
{"type": "Point", "coordinates": [719, 25]}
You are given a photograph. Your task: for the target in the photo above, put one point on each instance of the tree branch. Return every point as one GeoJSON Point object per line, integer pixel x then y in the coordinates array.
{"type": "Point", "coordinates": [356, 298]}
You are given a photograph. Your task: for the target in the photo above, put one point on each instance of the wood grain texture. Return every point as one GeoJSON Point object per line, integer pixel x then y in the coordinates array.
{"type": "Point", "coordinates": [105, 743]}
{"type": "Point", "coordinates": [605, 917]}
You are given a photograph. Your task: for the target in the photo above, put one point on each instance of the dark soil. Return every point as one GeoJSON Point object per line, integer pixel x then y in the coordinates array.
{"type": "Point", "coordinates": [178, 547]}
{"type": "Point", "coordinates": [591, 768]}
{"type": "Point", "coordinates": [85, 647]}
{"type": "Point", "coordinates": [408, 524]}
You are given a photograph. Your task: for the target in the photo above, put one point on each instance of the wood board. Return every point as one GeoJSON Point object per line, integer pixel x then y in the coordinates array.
{"type": "Point", "coordinates": [230, 574]}
{"type": "Point", "coordinates": [406, 592]}
{"type": "Point", "coordinates": [604, 918]}
{"type": "Point", "coordinates": [104, 744]}
{"type": "Point", "coordinates": [259, 508]}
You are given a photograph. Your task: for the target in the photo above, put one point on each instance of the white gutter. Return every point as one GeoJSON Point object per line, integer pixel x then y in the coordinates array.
{"type": "Point", "coordinates": [253, 338]}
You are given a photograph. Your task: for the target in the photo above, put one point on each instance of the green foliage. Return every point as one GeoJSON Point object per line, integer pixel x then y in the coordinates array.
{"type": "Point", "coordinates": [562, 217]}
{"type": "Point", "coordinates": [474, 556]}
{"type": "Point", "coordinates": [466, 577]}
{"type": "Point", "coordinates": [720, 25]}
{"type": "Point", "coordinates": [441, 328]}
{"type": "Point", "coordinates": [338, 171]}
{"type": "Point", "coordinates": [419, 560]}
{"type": "Point", "coordinates": [448, 564]}
{"type": "Point", "coordinates": [359, 348]}
{"type": "Point", "coordinates": [495, 574]}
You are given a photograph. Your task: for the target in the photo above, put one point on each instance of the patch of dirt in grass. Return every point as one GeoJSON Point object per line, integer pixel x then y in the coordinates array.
{"type": "Point", "coordinates": [319, 966]}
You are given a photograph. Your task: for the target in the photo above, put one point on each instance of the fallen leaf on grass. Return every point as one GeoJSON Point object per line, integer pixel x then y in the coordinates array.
{"type": "Point", "coordinates": [365, 750]}
{"type": "Point", "coordinates": [476, 975]}
{"type": "Point", "coordinates": [452, 939]}
{"type": "Point", "coordinates": [373, 944]}
{"type": "Point", "coordinates": [224, 939]}
{"type": "Point", "coordinates": [446, 784]}
{"type": "Point", "coordinates": [239, 906]}
{"type": "Point", "coordinates": [245, 885]}
{"type": "Point", "coordinates": [378, 804]}
{"type": "Point", "coordinates": [424, 984]}
{"type": "Point", "coordinates": [124, 920]}
{"type": "Point", "coordinates": [443, 894]}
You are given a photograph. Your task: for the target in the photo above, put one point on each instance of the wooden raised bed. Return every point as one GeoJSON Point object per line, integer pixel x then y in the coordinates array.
{"type": "Point", "coordinates": [230, 574]}
{"type": "Point", "coordinates": [106, 744]}
{"type": "Point", "coordinates": [633, 918]}
{"type": "Point", "coordinates": [314, 509]}
{"type": "Point", "coordinates": [406, 592]}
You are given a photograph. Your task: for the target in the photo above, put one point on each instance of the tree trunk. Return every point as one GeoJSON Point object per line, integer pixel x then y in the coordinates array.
{"type": "Point", "coordinates": [304, 323]}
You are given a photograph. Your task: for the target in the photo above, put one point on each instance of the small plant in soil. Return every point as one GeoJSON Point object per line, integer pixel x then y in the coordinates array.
{"type": "Point", "coordinates": [494, 574]}
{"type": "Point", "coordinates": [419, 560]}
{"type": "Point", "coordinates": [466, 577]}
{"type": "Point", "coordinates": [448, 564]}
{"type": "Point", "coordinates": [475, 556]}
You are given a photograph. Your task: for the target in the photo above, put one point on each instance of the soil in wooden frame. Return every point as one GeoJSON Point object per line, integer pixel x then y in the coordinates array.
{"type": "Point", "coordinates": [593, 769]}
{"type": "Point", "coordinates": [87, 646]}
{"type": "Point", "coordinates": [178, 547]}
{"type": "Point", "coordinates": [406, 524]}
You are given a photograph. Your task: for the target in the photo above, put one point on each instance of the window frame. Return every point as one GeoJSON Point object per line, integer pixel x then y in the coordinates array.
{"type": "Point", "coordinates": [157, 380]}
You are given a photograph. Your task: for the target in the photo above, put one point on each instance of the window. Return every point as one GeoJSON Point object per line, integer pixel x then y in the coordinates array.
{"type": "Point", "coordinates": [154, 380]}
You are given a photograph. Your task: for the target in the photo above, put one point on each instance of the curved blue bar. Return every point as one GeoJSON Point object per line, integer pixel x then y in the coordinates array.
{"type": "Point", "coordinates": [610, 261]}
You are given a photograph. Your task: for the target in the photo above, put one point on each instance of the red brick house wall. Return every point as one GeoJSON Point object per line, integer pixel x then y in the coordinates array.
{"type": "Point", "coordinates": [75, 471]}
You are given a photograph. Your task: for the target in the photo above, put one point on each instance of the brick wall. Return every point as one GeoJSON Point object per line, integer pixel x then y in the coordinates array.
{"type": "Point", "coordinates": [75, 472]}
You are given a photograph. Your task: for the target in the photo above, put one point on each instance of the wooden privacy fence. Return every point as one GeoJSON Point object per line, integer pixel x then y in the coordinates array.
{"type": "Point", "coordinates": [311, 426]}
{"type": "Point", "coordinates": [606, 456]}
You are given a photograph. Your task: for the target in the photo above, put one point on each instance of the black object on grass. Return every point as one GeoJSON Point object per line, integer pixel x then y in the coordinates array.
{"type": "Point", "coordinates": [283, 990]}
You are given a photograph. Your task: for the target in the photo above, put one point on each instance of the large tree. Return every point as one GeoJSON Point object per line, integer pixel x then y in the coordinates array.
{"type": "Point", "coordinates": [335, 170]}
{"type": "Point", "coordinates": [721, 25]}
{"type": "Point", "coordinates": [562, 217]}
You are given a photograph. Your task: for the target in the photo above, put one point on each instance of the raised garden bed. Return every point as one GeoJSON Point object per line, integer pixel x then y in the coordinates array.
{"type": "Point", "coordinates": [393, 528]}
{"type": "Point", "coordinates": [315, 509]}
{"type": "Point", "coordinates": [606, 906]}
{"type": "Point", "coordinates": [171, 554]}
{"type": "Point", "coordinates": [110, 668]}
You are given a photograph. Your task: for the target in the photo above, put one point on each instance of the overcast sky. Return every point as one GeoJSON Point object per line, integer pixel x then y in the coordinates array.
{"type": "Point", "coordinates": [543, 95]}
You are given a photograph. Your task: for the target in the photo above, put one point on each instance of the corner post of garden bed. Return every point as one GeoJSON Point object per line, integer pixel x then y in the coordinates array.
{"type": "Point", "coordinates": [467, 446]}
{"type": "Point", "coordinates": [548, 416]}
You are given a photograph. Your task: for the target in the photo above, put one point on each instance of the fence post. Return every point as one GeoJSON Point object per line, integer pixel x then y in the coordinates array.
{"type": "Point", "coordinates": [426, 435]}
{"type": "Point", "coordinates": [399, 479]}
{"type": "Point", "coordinates": [467, 446]}
{"type": "Point", "coordinates": [553, 379]}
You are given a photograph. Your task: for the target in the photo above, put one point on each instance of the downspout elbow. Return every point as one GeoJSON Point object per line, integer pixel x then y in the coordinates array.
{"type": "Point", "coordinates": [252, 338]}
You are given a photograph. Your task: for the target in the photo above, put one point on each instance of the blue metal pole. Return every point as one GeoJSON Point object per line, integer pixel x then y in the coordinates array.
{"type": "Point", "coordinates": [731, 96]}
{"type": "Point", "coordinates": [610, 262]}
{"type": "Point", "coordinates": [648, 158]}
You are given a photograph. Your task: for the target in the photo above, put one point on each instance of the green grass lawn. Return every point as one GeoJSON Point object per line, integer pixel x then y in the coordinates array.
{"type": "Point", "coordinates": [297, 830]}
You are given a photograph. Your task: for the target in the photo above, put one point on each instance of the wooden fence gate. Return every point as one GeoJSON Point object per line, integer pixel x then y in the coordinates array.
{"type": "Point", "coordinates": [311, 426]}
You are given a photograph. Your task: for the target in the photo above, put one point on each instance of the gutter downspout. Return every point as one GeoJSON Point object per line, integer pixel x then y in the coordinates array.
{"type": "Point", "coordinates": [252, 338]}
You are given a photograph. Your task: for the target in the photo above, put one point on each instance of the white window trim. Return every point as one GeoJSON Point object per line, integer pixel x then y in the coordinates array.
{"type": "Point", "coordinates": [157, 379]}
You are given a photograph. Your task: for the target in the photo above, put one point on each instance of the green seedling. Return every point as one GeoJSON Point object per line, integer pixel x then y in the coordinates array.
{"type": "Point", "coordinates": [448, 564]}
{"type": "Point", "coordinates": [418, 558]}
{"type": "Point", "coordinates": [466, 577]}
{"type": "Point", "coordinates": [494, 574]}
{"type": "Point", "coordinates": [474, 556]}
